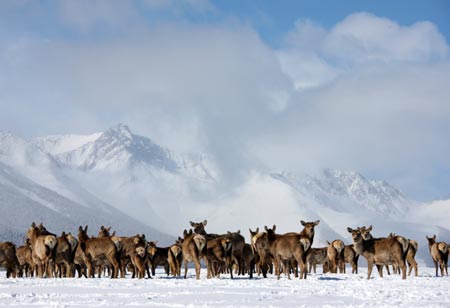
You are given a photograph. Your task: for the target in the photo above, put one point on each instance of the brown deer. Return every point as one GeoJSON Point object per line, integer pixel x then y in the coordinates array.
{"type": "Point", "coordinates": [261, 244]}
{"type": "Point", "coordinates": [94, 249]}
{"type": "Point", "coordinates": [218, 256]}
{"type": "Point", "coordinates": [317, 256]}
{"type": "Point", "coordinates": [378, 251]}
{"type": "Point", "coordinates": [64, 257]}
{"type": "Point", "coordinates": [439, 254]}
{"type": "Point", "coordinates": [193, 247]}
{"type": "Point", "coordinates": [335, 256]}
{"type": "Point", "coordinates": [25, 259]}
{"type": "Point", "coordinates": [42, 249]}
{"type": "Point", "coordinates": [292, 246]}
{"type": "Point", "coordinates": [8, 259]}
{"type": "Point", "coordinates": [175, 257]}
{"type": "Point", "coordinates": [410, 255]}
{"type": "Point", "coordinates": [351, 257]}
{"type": "Point", "coordinates": [129, 254]}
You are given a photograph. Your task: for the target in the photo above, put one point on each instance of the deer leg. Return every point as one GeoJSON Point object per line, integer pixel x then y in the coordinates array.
{"type": "Point", "coordinates": [369, 268]}
{"type": "Point", "coordinates": [197, 268]}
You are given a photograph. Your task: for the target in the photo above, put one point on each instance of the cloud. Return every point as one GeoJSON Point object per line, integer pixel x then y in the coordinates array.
{"type": "Point", "coordinates": [366, 95]}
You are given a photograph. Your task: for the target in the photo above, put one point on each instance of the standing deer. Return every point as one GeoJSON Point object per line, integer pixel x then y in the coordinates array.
{"type": "Point", "coordinates": [439, 254]}
{"type": "Point", "coordinates": [335, 255]}
{"type": "Point", "coordinates": [383, 251]}
{"type": "Point", "coordinates": [43, 247]}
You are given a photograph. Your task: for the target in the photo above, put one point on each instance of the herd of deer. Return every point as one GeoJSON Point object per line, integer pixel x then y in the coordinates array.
{"type": "Point", "coordinates": [46, 255]}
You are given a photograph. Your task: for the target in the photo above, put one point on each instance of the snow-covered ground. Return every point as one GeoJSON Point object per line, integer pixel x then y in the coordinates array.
{"type": "Point", "coordinates": [341, 290]}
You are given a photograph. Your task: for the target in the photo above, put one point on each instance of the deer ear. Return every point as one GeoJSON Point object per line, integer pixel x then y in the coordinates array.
{"type": "Point", "coordinates": [85, 228]}
{"type": "Point", "coordinates": [265, 228]}
{"type": "Point", "coordinates": [114, 233]}
{"type": "Point", "coordinates": [328, 243]}
{"type": "Point", "coordinates": [33, 225]}
{"type": "Point", "coordinates": [317, 222]}
{"type": "Point", "coordinates": [350, 230]}
{"type": "Point", "coordinates": [434, 237]}
{"type": "Point", "coordinates": [370, 228]}
{"type": "Point", "coordinates": [238, 231]}
{"type": "Point", "coordinates": [205, 222]}
{"type": "Point", "coordinates": [302, 222]}
{"type": "Point", "coordinates": [80, 228]}
{"type": "Point", "coordinates": [274, 227]}
{"type": "Point", "coordinates": [257, 230]}
{"type": "Point", "coordinates": [102, 228]}
{"type": "Point", "coordinates": [107, 229]}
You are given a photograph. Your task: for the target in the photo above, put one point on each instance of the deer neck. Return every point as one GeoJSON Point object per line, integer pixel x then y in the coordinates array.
{"type": "Point", "coordinates": [359, 246]}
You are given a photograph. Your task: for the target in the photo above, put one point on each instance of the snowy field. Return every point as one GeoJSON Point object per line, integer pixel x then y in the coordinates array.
{"type": "Point", "coordinates": [341, 290]}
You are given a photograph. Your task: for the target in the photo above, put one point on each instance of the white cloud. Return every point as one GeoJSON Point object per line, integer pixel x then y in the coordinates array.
{"type": "Point", "coordinates": [367, 95]}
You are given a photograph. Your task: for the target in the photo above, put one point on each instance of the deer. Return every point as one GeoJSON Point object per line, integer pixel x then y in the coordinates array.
{"type": "Point", "coordinates": [193, 247]}
{"type": "Point", "coordinates": [25, 259]}
{"type": "Point", "coordinates": [380, 252]}
{"type": "Point", "coordinates": [351, 257]}
{"type": "Point", "coordinates": [43, 246]}
{"type": "Point", "coordinates": [158, 256]}
{"type": "Point", "coordinates": [237, 242]}
{"type": "Point", "coordinates": [129, 253]}
{"type": "Point", "coordinates": [439, 253]}
{"type": "Point", "coordinates": [249, 259]}
{"type": "Point", "coordinates": [218, 256]}
{"type": "Point", "coordinates": [335, 256]}
{"type": "Point", "coordinates": [258, 241]}
{"type": "Point", "coordinates": [292, 246]}
{"type": "Point", "coordinates": [64, 257]}
{"type": "Point", "coordinates": [94, 249]}
{"type": "Point", "coordinates": [8, 259]}
{"type": "Point", "coordinates": [410, 255]}
{"type": "Point", "coordinates": [175, 257]}
{"type": "Point", "coordinates": [317, 256]}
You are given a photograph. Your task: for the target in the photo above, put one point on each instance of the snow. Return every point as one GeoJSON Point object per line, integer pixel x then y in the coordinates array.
{"type": "Point", "coordinates": [319, 290]}
{"type": "Point", "coordinates": [56, 144]}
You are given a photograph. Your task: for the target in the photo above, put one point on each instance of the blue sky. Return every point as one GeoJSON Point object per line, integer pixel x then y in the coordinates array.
{"type": "Point", "coordinates": [274, 18]}
{"type": "Point", "coordinates": [268, 85]}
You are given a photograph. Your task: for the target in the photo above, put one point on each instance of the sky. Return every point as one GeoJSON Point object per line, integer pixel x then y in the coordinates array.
{"type": "Point", "coordinates": [269, 85]}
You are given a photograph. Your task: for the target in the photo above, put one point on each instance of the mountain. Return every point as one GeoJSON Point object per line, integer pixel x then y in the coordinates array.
{"type": "Point", "coordinates": [134, 174]}
{"type": "Point", "coordinates": [118, 171]}
{"type": "Point", "coordinates": [34, 187]}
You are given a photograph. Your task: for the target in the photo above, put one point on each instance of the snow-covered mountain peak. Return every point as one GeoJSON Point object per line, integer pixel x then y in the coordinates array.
{"type": "Point", "coordinates": [349, 191]}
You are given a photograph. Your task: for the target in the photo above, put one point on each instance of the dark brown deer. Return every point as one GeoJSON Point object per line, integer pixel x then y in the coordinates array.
{"type": "Point", "coordinates": [158, 256]}
{"type": "Point", "coordinates": [237, 242]}
{"type": "Point", "coordinates": [335, 256]}
{"type": "Point", "coordinates": [94, 249]}
{"type": "Point", "coordinates": [383, 251]}
{"type": "Point", "coordinates": [42, 249]}
{"type": "Point", "coordinates": [8, 259]}
{"type": "Point", "coordinates": [249, 259]}
{"type": "Point", "coordinates": [439, 254]}
{"type": "Point", "coordinates": [317, 256]}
